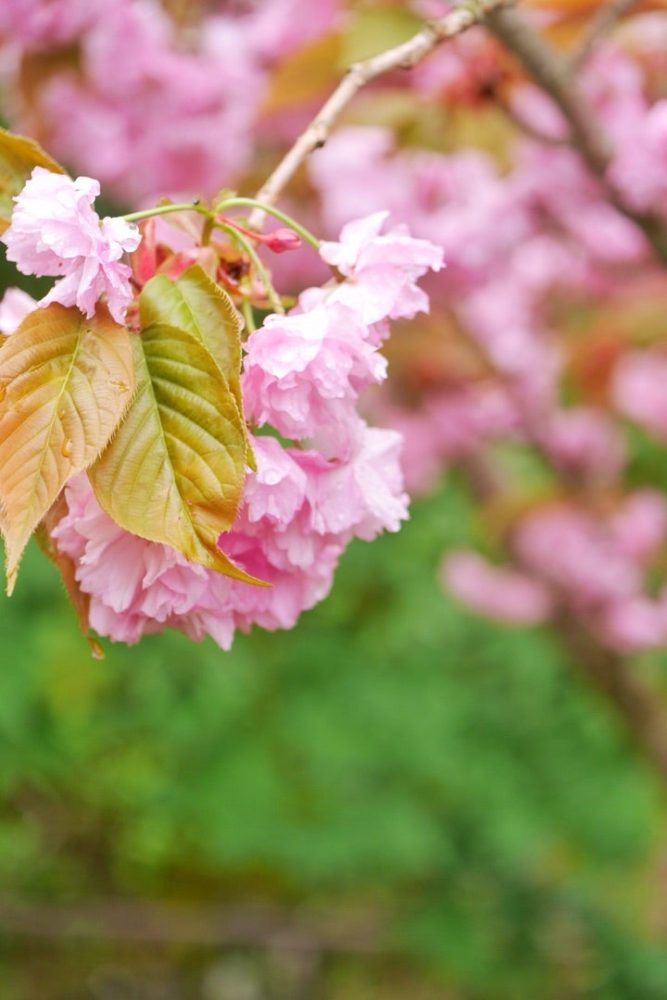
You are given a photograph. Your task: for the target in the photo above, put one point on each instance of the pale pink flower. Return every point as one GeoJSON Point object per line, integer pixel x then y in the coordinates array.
{"type": "Point", "coordinates": [14, 307]}
{"type": "Point", "coordinates": [497, 592]}
{"type": "Point", "coordinates": [578, 555]}
{"type": "Point", "coordinates": [639, 389]}
{"type": "Point", "coordinates": [46, 23]}
{"type": "Point", "coordinates": [55, 231]}
{"type": "Point", "coordinates": [303, 372]}
{"type": "Point", "coordinates": [584, 442]}
{"type": "Point", "coordinates": [285, 533]}
{"type": "Point", "coordinates": [363, 495]}
{"type": "Point", "coordinates": [383, 269]}
{"type": "Point", "coordinates": [640, 165]}
{"type": "Point", "coordinates": [633, 625]}
{"type": "Point", "coordinates": [639, 526]}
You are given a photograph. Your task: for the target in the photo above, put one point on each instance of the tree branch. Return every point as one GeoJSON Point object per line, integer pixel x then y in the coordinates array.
{"type": "Point", "coordinates": [604, 20]}
{"type": "Point", "coordinates": [402, 56]}
{"type": "Point", "coordinates": [555, 77]}
{"type": "Point", "coordinates": [640, 708]}
{"type": "Point", "coordinates": [216, 926]}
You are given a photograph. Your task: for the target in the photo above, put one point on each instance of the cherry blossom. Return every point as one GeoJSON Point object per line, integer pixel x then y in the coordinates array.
{"type": "Point", "coordinates": [55, 231]}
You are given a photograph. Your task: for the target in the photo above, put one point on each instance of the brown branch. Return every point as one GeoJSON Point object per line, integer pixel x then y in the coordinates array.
{"type": "Point", "coordinates": [402, 56]}
{"type": "Point", "coordinates": [641, 709]}
{"type": "Point", "coordinates": [555, 77]}
{"type": "Point", "coordinates": [167, 923]}
{"type": "Point", "coordinates": [604, 21]}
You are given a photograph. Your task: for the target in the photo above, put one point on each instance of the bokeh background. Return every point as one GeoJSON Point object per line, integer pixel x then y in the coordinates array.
{"type": "Point", "coordinates": [397, 799]}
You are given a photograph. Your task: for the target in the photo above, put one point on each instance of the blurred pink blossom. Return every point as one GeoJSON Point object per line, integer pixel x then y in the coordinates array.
{"type": "Point", "coordinates": [639, 389]}
{"type": "Point", "coordinates": [495, 591]}
{"type": "Point", "coordinates": [584, 442]}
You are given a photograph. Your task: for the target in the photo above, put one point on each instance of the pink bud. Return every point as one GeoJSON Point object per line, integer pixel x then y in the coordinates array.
{"type": "Point", "coordinates": [281, 240]}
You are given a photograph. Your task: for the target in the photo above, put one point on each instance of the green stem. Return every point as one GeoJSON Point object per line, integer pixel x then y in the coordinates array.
{"type": "Point", "coordinates": [249, 249]}
{"type": "Point", "coordinates": [148, 213]}
{"type": "Point", "coordinates": [246, 309]}
{"type": "Point", "coordinates": [305, 235]}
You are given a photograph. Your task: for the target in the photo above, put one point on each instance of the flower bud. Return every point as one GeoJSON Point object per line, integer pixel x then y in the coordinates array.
{"type": "Point", "coordinates": [281, 240]}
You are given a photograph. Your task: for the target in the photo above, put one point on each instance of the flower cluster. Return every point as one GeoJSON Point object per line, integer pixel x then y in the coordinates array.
{"type": "Point", "coordinates": [340, 478]}
{"type": "Point", "coordinates": [525, 245]}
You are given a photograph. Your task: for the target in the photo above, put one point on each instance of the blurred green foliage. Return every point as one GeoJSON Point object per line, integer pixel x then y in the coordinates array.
{"type": "Point", "coordinates": [392, 751]}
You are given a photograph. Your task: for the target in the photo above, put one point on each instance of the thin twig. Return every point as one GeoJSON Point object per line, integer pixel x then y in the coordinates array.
{"type": "Point", "coordinates": [603, 22]}
{"type": "Point", "coordinates": [402, 56]}
{"type": "Point", "coordinates": [554, 75]}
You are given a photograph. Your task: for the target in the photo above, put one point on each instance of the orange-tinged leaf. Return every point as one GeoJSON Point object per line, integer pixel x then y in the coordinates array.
{"type": "Point", "coordinates": [18, 157]}
{"type": "Point", "coordinates": [66, 382]}
{"type": "Point", "coordinates": [174, 472]}
{"type": "Point", "coordinates": [80, 601]}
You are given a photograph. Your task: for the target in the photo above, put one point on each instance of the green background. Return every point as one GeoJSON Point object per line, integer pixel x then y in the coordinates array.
{"type": "Point", "coordinates": [452, 780]}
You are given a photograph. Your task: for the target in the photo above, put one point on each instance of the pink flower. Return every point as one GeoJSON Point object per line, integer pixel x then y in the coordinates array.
{"type": "Point", "coordinates": [362, 496]}
{"type": "Point", "coordinates": [286, 533]}
{"type": "Point", "coordinates": [640, 165]}
{"type": "Point", "coordinates": [496, 591]}
{"type": "Point", "coordinates": [584, 442]}
{"type": "Point", "coordinates": [46, 23]}
{"type": "Point", "coordinates": [15, 306]}
{"type": "Point", "coordinates": [639, 526]}
{"type": "Point", "coordinates": [578, 555]}
{"type": "Point", "coordinates": [634, 625]}
{"type": "Point", "coordinates": [638, 389]}
{"type": "Point", "coordinates": [303, 373]}
{"type": "Point", "coordinates": [383, 269]}
{"type": "Point", "coordinates": [55, 231]}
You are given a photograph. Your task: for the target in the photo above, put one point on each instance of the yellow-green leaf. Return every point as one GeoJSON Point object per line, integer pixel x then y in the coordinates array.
{"type": "Point", "coordinates": [174, 472]}
{"type": "Point", "coordinates": [18, 157]}
{"type": "Point", "coordinates": [194, 302]}
{"type": "Point", "coordinates": [371, 30]}
{"type": "Point", "coordinates": [66, 381]}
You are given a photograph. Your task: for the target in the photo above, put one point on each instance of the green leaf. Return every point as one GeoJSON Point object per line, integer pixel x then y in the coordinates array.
{"type": "Point", "coordinates": [174, 472]}
{"type": "Point", "coordinates": [18, 158]}
{"type": "Point", "coordinates": [66, 381]}
{"type": "Point", "coordinates": [193, 302]}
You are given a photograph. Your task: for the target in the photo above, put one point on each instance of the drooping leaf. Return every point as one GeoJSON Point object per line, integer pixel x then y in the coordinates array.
{"type": "Point", "coordinates": [80, 601]}
{"type": "Point", "coordinates": [18, 158]}
{"type": "Point", "coordinates": [66, 382]}
{"type": "Point", "coordinates": [174, 471]}
{"type": "Point", "coordinates": [305, 73]}
{"type": "Point", "coordinates": [194, 302]}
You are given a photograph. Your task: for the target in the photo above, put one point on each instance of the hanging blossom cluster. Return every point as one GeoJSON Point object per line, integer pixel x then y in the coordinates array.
{"type": "Point", "coordinates": [129, 98]}
{"type": "Point", "coordinates": [525, 248]}
{"type": "Point", "coordinates": [322, 476]}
